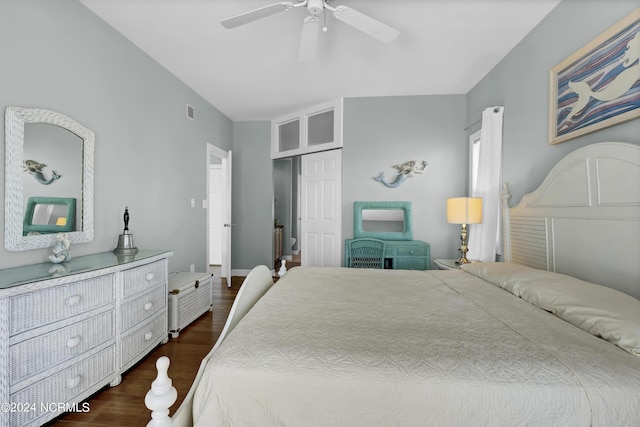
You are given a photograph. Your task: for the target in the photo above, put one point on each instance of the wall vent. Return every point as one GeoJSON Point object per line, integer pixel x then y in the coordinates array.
{"type": "Point", "coordinates": [190, 111]}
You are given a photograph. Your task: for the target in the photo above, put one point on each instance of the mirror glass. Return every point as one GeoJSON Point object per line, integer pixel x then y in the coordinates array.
{"type": "Point", "coordinates": [52, 166]}
{"type": "Point", "coordinates": [383, 220]}
{"type": "Point", "coordinates": [48, 214]}
{"type": "Point", "coordinates": [49, 174]}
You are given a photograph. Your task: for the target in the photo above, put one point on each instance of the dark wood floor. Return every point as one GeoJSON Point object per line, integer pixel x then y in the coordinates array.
{"type": "Point", "coordinates": [124, 405]}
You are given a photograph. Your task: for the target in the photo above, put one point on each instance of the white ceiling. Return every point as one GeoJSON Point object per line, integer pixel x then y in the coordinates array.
{"type": "Point", "coordinates": [252, 72]}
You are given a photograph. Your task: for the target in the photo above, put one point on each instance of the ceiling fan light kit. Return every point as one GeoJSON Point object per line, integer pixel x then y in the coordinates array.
{"type": "Point", "coordinates": [315, 6]}
{"type": "Point", "coordinates": [311, 23]}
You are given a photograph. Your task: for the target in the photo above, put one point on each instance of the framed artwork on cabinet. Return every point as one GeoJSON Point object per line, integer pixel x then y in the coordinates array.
{"type": "Point", "coordinates": [599, 85]}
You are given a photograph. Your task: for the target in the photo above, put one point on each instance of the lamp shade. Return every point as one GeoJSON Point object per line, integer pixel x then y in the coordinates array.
{"type": "Point", "coordinates": [464, 210]}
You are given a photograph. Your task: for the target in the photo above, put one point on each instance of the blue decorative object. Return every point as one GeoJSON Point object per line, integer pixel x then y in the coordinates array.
{"type": "Point", "coordinates": [383, 220]}
{"type": "Point", "coordinates": [35, 169]}
{"type": "Point", "coordinates": [49, 215]}
{"type": "Point", "coordinates": [61, 249]}
{"type": "Point", "coordinates": [405, 170]}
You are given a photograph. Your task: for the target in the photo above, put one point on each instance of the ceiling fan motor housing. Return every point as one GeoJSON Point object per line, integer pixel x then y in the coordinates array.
{"type": "Point", "coordinates": [315, 7]}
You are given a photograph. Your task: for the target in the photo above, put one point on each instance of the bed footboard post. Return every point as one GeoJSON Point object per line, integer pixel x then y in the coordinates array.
{"type": "Point", "coordinates": [161, 396]}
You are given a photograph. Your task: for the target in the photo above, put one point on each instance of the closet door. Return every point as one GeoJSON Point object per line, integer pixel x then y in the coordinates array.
{"type": "Point", "coordinates": [321, 233]}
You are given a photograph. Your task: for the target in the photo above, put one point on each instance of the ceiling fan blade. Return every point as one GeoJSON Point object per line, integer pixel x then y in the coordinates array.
{"type": "Point", "coordinates": [309, 38]}
{"type": "Point", "coordinates": [366, 24]}
{"type": "Point", "coordinates": [256, 14]}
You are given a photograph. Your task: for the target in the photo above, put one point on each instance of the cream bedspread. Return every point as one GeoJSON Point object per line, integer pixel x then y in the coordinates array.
{"type": "Point", "coordinates": [350, 347]}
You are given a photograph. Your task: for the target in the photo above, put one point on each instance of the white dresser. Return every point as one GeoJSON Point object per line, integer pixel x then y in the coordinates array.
{"type": "Point", "coordinates": [67, 330]}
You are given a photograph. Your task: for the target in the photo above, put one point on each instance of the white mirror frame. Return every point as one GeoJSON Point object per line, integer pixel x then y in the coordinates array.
{"type": "Point", "coordinates": [15, 120]}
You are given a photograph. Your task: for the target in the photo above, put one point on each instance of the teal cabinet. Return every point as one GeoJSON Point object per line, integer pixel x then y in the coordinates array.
{"type": "Point", "coordinates": [402, 254]}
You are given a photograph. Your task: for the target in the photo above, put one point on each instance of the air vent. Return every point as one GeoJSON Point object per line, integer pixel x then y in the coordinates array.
{"type": "Point", "coordinates": [190, 111]}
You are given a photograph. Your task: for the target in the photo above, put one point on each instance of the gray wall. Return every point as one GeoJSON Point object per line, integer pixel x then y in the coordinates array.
{"type": "Point", "coordinates": [521, 83]}
{"type": "Point", "coordinates": [381, 132]}
{"type": "Point", "coordinates": [58, 55]}
{"type": "Point", "coordinates": [252, 203]}
{"type": "Point", "coordinates": [150, 157]}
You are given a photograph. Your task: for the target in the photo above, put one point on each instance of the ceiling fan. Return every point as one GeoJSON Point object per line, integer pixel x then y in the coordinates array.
{"type": "Point", "coordinates": [311, 23]}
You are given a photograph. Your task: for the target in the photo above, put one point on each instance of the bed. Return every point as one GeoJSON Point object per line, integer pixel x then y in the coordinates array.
{"type": "Point", "coordinates": [549, 337]}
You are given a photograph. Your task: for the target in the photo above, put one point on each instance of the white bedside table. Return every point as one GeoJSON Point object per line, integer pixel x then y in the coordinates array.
{"type": "Point", "coordinates": [446, 264]}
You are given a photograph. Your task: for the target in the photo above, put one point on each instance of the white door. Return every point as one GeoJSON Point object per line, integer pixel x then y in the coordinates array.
{"type": "Point", "coordinates": [215, 214]}
{"type": "Point", "coordinates": [224, 226]}
{"type": "Point", "coordinates": [321, 223]}
{"type": "Point", "coordinates": [226, 217]}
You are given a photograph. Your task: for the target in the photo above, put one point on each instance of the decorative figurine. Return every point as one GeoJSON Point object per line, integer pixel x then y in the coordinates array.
{"type": "Point", "coordinates": [35, 168]}
{"type": "Point", "coordinates": [61, 249]}
{"type": "Point", "coordinates": [125, 240]}
{"type": "Point", "coordinates": [405, 170]}
{"type": "Point", "coordinates": [283, 268]}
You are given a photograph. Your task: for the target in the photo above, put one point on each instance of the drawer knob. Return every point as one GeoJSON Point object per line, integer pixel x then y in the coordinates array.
{"type": "Point", "coordinates": [73, 300]}
{"type": "Point", "coordinates": [149, 277]}
{"type": "Point", "coordinates": [73, 342]}
{"type": "Point", "coordinates": [74, 381]}
{"type": "Point", "coordinates": [148, 306]}
{"type": "Point", "coordinates": [148, 336]}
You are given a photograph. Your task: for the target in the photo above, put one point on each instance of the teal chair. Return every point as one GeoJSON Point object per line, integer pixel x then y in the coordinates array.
{"type": "Point", "coordinates": [366, 253]}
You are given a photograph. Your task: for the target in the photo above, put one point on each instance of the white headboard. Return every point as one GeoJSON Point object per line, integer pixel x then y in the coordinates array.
{"type": "Point", "coordinates": [583, 220]}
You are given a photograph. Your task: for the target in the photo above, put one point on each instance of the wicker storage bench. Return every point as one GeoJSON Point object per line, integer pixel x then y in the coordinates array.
{"type": "Point", "coordinates": [190, 296]}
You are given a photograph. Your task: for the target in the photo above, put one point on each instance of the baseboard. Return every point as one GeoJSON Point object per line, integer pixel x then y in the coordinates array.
{"type": "Point", "coordinates": [239, 272]}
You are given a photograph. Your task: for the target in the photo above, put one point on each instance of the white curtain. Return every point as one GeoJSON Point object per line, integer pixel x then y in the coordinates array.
{"type": "Point", "coordinates": [485, 240]}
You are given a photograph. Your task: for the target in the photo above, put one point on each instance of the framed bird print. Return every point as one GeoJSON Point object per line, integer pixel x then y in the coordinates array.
{"type": "Point", "coordinates": [599, 85]}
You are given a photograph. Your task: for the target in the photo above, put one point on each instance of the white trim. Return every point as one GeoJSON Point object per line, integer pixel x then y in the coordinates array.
{"type": "Point", "coordinates": [303, 118]}
{"type": "Point", "coordinates": [226, 157]}
{"type": "Point", "coordinates": [473, 139]}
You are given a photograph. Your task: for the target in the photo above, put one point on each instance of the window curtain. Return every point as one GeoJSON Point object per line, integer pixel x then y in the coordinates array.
{"type": "Point", "coordinates": [485, 240]}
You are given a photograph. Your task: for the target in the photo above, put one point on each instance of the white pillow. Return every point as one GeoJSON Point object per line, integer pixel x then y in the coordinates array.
{"type": "Point", "coordinates": [601, 311]}
{"type": "Point", "coordinates": [505, 275]}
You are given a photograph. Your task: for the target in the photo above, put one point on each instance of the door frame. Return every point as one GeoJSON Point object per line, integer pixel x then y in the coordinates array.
{"type": "Point", "coordinates": [226, 226]}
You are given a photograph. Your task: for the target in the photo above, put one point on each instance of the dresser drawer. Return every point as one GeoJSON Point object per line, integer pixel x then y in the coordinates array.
{"type": "Point", "coordinates": [64, 386]}
{"type": "Point", "coordinates": [144, 277]}
{"type": "Point", "coordinates": [412, 251]}
{"type": "Point", "coordinates": [143, 307]}
{"type": "Point", "coordinates": [38, 354]}
{"type": "Point", "coordinates": [408, 263]}
{"type": "Point", "coordinates": [138, 342]}
{"type": "Point", "coordinates": [39, 308]}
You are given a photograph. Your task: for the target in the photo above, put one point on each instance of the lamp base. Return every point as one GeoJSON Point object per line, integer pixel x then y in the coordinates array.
{"type": "Point", "coordinates": [463, 247]}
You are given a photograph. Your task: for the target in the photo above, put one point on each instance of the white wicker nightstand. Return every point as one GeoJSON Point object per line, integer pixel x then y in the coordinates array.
{"type": "Point", "coordinates": [446, 264]}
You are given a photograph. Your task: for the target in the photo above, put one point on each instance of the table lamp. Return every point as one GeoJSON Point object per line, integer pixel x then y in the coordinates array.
{"type": "Point", "coordinates": [464, 210]}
